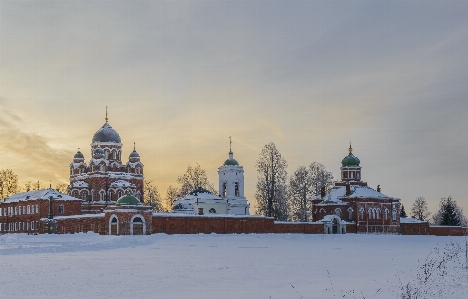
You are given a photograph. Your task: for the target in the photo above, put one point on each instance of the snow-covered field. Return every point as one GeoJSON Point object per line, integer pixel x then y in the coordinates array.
{"type": "Point", "coordinates": [223, 266]}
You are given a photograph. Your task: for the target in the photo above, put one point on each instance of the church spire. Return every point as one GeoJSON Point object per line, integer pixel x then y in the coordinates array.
{"type": "Point", "coordinates": [107, 119]}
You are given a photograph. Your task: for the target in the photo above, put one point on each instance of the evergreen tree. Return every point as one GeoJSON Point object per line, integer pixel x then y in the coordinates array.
{"type": "Point", "coordinates": [449, 215]}
{"type": "Point", "coordinates": [403, 212]}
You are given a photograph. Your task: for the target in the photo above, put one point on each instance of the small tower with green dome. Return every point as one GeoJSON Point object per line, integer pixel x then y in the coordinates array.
{"type": "Point", "coordinates": [350, 169]}
{"type": "Point", "coordinates": [231, 184]}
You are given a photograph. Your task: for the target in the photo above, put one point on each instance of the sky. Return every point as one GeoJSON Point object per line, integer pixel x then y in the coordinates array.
{"type": "Point", "coordinates": [180, 77]}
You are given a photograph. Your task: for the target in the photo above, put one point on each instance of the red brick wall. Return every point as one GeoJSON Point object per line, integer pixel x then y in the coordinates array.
{"type": "Point", "coordinates": [414, 228]}
{"type": "Point", "coordinates": [448, 231]}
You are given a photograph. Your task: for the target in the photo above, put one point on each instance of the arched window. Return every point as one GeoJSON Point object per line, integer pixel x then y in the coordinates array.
{"type": "Point", "coordinates": [92, 195]}
{"type": "Point", "coordinates": [361, 213]}
{"type": "Point", "coordinates": [224, 189]}
{"type": "Point", "coordinates": [114, 155]}
{"type": "Point", "coordinates": [92, 168]}
{"type": "Point", "coordinates": [102, 167]}
{"type": "Point", "coordinates": [107, 154]}
{"type": "Point", "coordinates": [120, 194]}
{"type": "Point", "coordinates": [138, 170]}
{"type": "Point", "coordinates": [101, 196]}
{"type": "Point", "coordinates": [386, 214]}
{"type": "Point", "coordinates": [84, 196]}
{"type": "Point", "coordinates": [212, 211]}
{"type": "Point", "coordinates": [338, 212]}
{"type": "Point", "coordinates": [137, 219]}
{"type": "Point", "coordinates": [378, 213]}
{"type": "Point", "coordinates": [350, 213]}
{"type": "Point", "coordinates": [111, 195]}
{"type": "Point", "coordinates": [114, 220]}
{"type": "Point", "coordinates": [236, 189]}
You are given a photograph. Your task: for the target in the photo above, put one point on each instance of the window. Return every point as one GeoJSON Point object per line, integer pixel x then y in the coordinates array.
{"type": "Point", "coordinates": [28, 227]}
{"type": "Point", "coordinates": [114, 155]}
{"type": "Point", "coordinates": [1, 209]}
{"type": "Point", "coordinates": [102, 167]}
{"type": "Point", "coordinates": [101, 194]}
{"type": "Point", "coordinates": [236, 189]}
{"type": "Point", "coordinates": [114, 220]}
{"type": "Point", "coordinates": [136, 219]}
{"type": "Point", "coordinates": [120, 194]}
{"type": "Point", "coordinates": [386, 214]}
{"type": "Point", "coordinates": [224, 189]}
{"type": "Point", "coordinates": [350, 213]}
{"type": "Point", "coordinates": [32, 225]}
{"type": "Point", "coordinates": [37, 225]}
{"type": "Point", "coordinates": [107, 155]}
{"type": "Point", "coordinates": [37, 209]}
{"type": "Point", "coordinates": [338, 212]}
{"type": "Point", "coordinates": [394, 214]}
{"type": "Point", "coordinates": [212, 211]}
{"type": "Point", "coordinates": [84, 196]}
{"type": "Point", "coordinates": [361, 212]}
{"type": "Point", "coordinates": [377, 212]}
{"type": "Point", "coordinates": [60, 210]}
{"type": "Point", "coordinates": [16, 211]}
{"type": "Point", "coordinates": [138, 170]}
{"type": "Point", "coordinates": [29, 210]}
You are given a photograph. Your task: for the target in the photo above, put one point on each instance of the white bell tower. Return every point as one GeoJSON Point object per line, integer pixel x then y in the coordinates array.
{"type": "Point", "coordinates": [231, 185]}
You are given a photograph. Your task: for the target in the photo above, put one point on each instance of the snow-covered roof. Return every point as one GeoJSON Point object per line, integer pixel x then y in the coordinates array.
{"type": "Point", "coordinates": [339, 192]}
{"type": "Point", "coordinates": [39, 194]}
{"type": "Point", "coordinates": [80, 184]}
{"type": "Point", "coordinates": [122, 183]}
{"type": "Point", "coordinates": [411, 220]}
{"type": "Point", "coordinates": [100, 215]}
{"type": "Point", "coordinates": [122, 175]}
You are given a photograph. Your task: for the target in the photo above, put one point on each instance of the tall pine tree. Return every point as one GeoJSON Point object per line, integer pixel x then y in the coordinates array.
{"type": "Point", "coordinates": [403, 212]}
{"type": "Point", "coordinates": [449, 215]}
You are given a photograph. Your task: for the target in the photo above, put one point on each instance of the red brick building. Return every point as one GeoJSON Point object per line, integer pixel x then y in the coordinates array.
{"type": "Point", "coordinates": [22, 212]}
{"type": "Point", "coordinates": [353, 201]}
{"type": "Point", "coordinates": [105, 178]}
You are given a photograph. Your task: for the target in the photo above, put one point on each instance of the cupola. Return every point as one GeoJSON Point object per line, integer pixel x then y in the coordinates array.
{"type": "Point", "coordinates": [350, 169]}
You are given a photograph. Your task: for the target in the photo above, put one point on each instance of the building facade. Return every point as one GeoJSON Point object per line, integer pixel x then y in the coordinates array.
{"type": "Point", "coordinates": [353, 201]}
{"type": "Point", "coordinates": [105, 178]}
{"type": "Point", "coordinates": [22, 212]}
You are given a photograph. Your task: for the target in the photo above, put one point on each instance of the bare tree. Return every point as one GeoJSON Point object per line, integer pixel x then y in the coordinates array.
{"type": "Point", "coordinates": [419, 210]}
{"type": "Point", "coordinates": [271, 194]}
{"type": "Point", "coordinates": [171, 195]}
{"type": "Point", "coordinates": [320, 177]}
{"type": "Point", "coordinates": [28, 186]}
{"type": "Point", "coordinates": [303, 185]}
{"type": "Point", "coordinates": [62, 188]}
{"type": "Point", "coordinates": [300, 191]}
{"type": "Point", "coordinates": [193, 178]}
{"type": "Point", "coordinates": [8, 183]}
{"type": "Point", "coordinates": [37, 186]}
{"type": "Point", "coordinates": [152, 197]}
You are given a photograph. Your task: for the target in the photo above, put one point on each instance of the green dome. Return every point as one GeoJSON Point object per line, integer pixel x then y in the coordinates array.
{"type": "Point", "coordinates": [128, 200]}
{"type": "Point", "coordinates": [350, 159]}
{"type": "Point", "coordinates": [231, 162]}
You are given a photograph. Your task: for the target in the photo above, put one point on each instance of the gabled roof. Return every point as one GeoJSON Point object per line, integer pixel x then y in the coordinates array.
{"type": "Point", "coordinates": [39, 194]}
{"type": "Point", "coordinates": [338, 193]}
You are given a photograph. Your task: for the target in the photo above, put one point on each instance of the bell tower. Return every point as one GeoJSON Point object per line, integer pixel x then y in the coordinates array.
{"type": "Point", "coordinates": [231, 184]}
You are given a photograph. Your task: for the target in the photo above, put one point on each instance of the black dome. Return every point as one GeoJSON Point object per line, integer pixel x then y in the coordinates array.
{"type": "Point", "coordinates": [106, 134]}
{"type": "Point", "coordinates": [78, 155]}
{"type": "Point", "coordinates": [134, 154]}
{"type": "Point", "coordinates": [99, 151]}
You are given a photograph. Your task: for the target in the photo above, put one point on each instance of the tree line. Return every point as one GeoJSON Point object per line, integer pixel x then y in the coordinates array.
{"type": "Point", "coordinates": [449, 212]}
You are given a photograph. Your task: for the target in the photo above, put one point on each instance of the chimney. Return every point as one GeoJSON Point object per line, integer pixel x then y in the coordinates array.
{"type": "Point", "coordinates": [378, 188]}
{"type": "Point", "coordinates": [322, 192]}
{"type": "Point", "coordinates": [348, 189]}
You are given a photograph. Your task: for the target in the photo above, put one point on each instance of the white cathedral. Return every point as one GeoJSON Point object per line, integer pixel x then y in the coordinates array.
{"type": "Point", "coordinates": [231, 199]}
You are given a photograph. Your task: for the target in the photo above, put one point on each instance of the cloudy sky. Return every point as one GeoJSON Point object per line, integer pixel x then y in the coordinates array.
{"type": "Point", "coordinates": [180, 77]}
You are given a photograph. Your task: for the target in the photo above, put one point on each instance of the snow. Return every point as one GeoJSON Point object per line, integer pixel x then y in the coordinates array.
{"type": "Point", "coordinates": [122, 183]}
{"type": "Point", "coordinates": [410, 220]}
{"type": "Point", "coordinates": [216, 266]}
{"type": "Point", "coordinates": [80, 184]}
{"type": "Point", "coordinates": [38, 194]}
{"type": "Point", "coordinates": [339, 192]}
